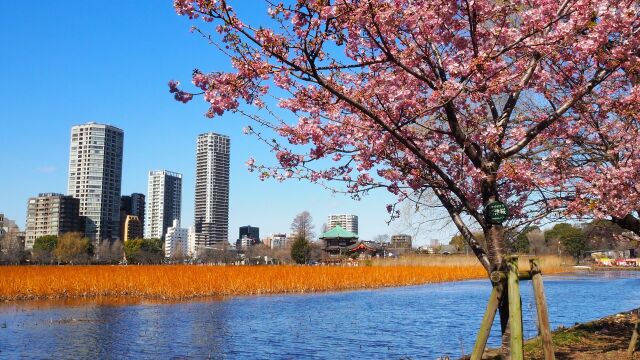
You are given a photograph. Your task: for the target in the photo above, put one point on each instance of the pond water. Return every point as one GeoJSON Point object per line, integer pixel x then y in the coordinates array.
{"type": "Point", "coordinates": [418, 322]}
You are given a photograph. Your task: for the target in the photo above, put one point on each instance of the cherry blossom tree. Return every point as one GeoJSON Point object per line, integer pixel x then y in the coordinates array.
{"type": "Point", "coordinates": [470, 102]}
{"type": "Point", "coordinates": [454, 98]}
{"type": "Point", "coordinates": [600, 173]}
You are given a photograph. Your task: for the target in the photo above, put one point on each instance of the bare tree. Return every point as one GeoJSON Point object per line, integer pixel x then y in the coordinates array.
{"type": "Point", "coordinates": [302, 226]}
{"type": "Point", "coordinates": [11, 247]}
{"type": "Point", "coordinates": [110, 252]}
{"type": "Point", "coordinates": [382, 238]}
{"type": "Point", "coordinates": [178, 255]}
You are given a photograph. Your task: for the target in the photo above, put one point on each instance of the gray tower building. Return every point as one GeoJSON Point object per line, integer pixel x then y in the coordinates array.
{"type": "Point", "coordinates": [212, 190]}
{"type": "Point", "coordinates": [164, 201]}
{"type": "Point", "coordinates": [95, 177]}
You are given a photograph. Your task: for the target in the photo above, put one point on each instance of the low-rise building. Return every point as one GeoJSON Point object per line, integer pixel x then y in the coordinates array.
{"type": "Point", "coordinates": [176, 240]}
{"type": "Point", "coordinates": [279, 241]}
{"type": "Point", "coordinates": [337, 241]}
{"type": "Point", "coordinates": [245, 242]}
{"type": "Point", "coordinates": [248, 236]}
{"type": "Point", "coordinates": [365, 249]}
{"type": "Point", "coordinates": [400, 244]}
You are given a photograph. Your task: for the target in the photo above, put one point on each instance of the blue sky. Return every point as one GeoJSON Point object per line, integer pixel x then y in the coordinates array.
{"type": "Point", "coordinates": [67, 63]}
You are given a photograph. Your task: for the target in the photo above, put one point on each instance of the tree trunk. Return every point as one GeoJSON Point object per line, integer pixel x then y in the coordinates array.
{"type": "Point", "coordinates": [494, 235]}
{"type": "Point", "coordinates": [495, 240]}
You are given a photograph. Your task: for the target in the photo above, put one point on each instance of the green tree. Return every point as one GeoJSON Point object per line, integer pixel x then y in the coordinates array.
{"type": "Point", "coordinates": [461, 245]}
{"type": "Point", "coordinates": [43, 248]}
{"type": "Point", "coordinates": [73, 248]}
{"type": "Point", "coordinates": [144, 251]}
{"type": "Point", "coordinates": [300, 250]}
{"type": "Point", "coordinates": [46, 243]}
{"type": "Point", "coordinates": [458, 242]}
{"type": "Point", "coordinates": [572, 238]}
{"type": "Point", "coordinates": [521, 242]}
{"type": "Point", "coordinates": [604, 234]}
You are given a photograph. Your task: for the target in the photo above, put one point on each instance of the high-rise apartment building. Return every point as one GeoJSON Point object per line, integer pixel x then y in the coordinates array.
{"type": "Point", "coordinates": [347, 222]}
{"type": "Point", "coordinates": [212, 190]}
{"type": "Point", "coordinates": [133, 204]}
{"type": "Point", "coordinates": [95, 177]}
{"type": "Point", "coordinates": [51, 214]}
{"type": "Point", "coordinates": [164, 201]}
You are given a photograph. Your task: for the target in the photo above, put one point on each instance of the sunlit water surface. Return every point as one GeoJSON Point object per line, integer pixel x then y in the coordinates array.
{"type": "Point", "coordinates": [418, 322]}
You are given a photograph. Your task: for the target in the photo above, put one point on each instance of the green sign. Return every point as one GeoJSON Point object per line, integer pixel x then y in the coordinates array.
{"type": "Point", "coordinates": [496, 212]}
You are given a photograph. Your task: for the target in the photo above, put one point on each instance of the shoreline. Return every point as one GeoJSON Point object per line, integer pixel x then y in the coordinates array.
{"type": "Point", "coordinates": [604, 338]}
{"type": "Point", "coordinates": [615, 268]}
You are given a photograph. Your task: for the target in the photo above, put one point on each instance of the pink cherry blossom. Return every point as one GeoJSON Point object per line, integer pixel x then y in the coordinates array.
{"type": "Point", "coordinates": [469, 103]}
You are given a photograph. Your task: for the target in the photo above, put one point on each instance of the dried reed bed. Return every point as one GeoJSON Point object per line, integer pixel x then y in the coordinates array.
{"type": "Point", "coordinates": [550, 264]}
{"type": "Point", "coordinates": [174, 282]}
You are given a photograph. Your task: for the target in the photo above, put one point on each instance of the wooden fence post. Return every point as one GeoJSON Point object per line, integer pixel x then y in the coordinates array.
{"type": "Point", "coordinates": [541, 306]}
{"type": "Point", "coordinates": [498, 280]}
{"type": "Point", "coordinates": [634, 338]}
{"type": "Point", "coordinates": [515, 308]}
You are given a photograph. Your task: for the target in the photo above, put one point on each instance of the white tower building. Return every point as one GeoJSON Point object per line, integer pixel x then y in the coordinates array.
{"type": "Point", "coordinates": [95, 177]}
{"type": "Point", "coordinates": [164, 199]}
{"type": "Point", "coordinates": [191, 249]}
{"type": "Point", "coordinates": [347, 222]}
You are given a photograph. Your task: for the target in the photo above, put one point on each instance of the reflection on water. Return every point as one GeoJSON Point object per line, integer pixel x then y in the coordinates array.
{"type": "Point", "coordinates": [416, 322]}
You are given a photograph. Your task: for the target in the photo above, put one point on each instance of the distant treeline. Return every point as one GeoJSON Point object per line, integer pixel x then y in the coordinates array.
{"type": "Point", "coordinates": [564, 239]}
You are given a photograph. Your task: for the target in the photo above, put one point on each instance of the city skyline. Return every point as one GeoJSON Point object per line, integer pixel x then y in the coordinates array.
{"type": "Point", "coordinates": [130, 92]}
{"type": "Point", "coordinates": [73, 155]}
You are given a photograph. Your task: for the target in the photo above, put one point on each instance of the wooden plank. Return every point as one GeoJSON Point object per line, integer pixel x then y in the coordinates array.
{"type": "Point", "coordinates": [541, 306]}
{"type": "Point", "coordinates": [515, 309]}
{"type": "Point", "coordinates": [633, 345]}
{"type": "Point", "coordinates": [489, 315]}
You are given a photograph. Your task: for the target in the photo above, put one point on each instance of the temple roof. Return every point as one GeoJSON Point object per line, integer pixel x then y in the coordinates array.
{"type": "Point", "coordinates": [364, 245]}
{"type": "Point", "coordinates": [338, 232]}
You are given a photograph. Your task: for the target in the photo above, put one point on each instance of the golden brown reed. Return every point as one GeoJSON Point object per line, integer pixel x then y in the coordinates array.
{"type": "Point", "coordinates": [176, 282]}
{"type": "Point", "coordinates": [188, 281]}
{"type": "Point", "coordinates": [550, 264]}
